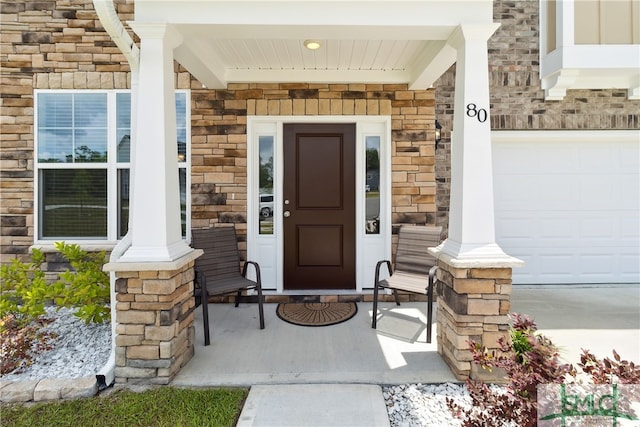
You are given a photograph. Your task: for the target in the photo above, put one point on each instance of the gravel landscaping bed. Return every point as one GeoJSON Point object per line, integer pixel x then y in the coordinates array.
{"type": "Point", "coordinates": [80, 349]}
{"type": "Point", "coordinates": [413, 405]}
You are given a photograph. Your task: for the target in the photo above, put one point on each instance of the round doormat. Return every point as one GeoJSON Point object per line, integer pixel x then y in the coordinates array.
{"type": "Point", "coordinates": [316, 313]}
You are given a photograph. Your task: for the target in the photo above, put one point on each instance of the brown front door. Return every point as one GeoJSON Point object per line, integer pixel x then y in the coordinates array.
{"type": "Point", "coordinates": [319, 206]}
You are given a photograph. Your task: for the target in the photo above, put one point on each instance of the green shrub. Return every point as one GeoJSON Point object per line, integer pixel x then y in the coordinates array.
{"type": "Point", "coordinates": [24, 289]}
{"type": "Point", "coordinates": [25, 292]}
{"type": "Point", "coordinates": [86, 287]}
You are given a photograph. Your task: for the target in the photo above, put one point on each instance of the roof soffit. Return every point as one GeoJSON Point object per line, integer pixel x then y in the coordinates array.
{"type": "Point", "coordinates": [362, 41]}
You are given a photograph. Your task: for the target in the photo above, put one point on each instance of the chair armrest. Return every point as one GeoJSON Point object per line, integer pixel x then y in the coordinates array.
{"type": "Point", "coordinates": [432, 280]}
{"type": "Point", "coordinates": [256, 266]}
{"type": "Point", "coordinates": [200, 279]}
{"type": "Point", "coordinates": [378, 265]}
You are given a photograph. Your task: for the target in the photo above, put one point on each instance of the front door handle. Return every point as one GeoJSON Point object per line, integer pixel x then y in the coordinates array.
{"type": "Point", "coordinates": [286, 214]}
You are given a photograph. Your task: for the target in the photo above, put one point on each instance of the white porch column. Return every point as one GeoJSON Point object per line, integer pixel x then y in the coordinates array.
{"type": "Point", "coordinates": [154, 217]}
{"type": "Point", "coordinates": [471, 217]}
{"type": "Point", "coordinates": [474, 273]}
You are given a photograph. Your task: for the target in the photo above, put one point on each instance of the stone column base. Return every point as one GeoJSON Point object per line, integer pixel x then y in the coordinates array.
{"type": "Point", "coordinates": [473, 305]}
{"type": "Point", "coordinates": [154, 319]}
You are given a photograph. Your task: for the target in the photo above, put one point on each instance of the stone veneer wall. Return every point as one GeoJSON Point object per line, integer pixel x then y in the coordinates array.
{"type": "Point", "coordinates": [45, 44]}
{"type": "Point", "coordinates": [60, 44]}
{"type": "Point", "coordinates": [219, 142]}
{"type": "Point", "coordinates": [517, 99]}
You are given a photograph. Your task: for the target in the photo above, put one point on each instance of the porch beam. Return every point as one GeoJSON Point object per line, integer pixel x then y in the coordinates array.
{"type": "Point", "coordinates": [154, 217]}
{"type": "Point", "coordinates": [433, 62]}
{"type": "Point", "coordinates": [203, 63]}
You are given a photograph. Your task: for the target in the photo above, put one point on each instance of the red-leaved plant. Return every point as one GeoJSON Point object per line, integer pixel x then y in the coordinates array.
{"type": "Point", "coordinates": [19, 343]}
{"type": "Point", "coordinates": [607, 371]}
{"type": "Point", "coordinates": [529, 359]}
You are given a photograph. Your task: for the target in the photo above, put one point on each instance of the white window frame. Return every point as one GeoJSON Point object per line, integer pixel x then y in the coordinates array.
{"type": "Point", "coordinates": [111, 166]}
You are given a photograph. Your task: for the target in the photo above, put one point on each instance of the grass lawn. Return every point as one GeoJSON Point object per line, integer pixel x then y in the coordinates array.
{"type": "Point", "coordinates": [159, 406]}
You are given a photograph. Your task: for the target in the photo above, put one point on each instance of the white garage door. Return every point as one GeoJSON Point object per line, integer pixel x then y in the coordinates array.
{"type": "Point", "coordinates": [568, 204]}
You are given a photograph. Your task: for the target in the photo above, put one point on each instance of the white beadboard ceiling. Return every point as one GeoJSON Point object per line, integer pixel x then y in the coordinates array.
{"type": "Point", "coordinates": [379, 55]}
{"type": "Point", "coordinates": [401, 41]}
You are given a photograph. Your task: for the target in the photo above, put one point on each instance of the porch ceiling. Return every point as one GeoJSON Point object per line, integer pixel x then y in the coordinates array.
{"type": "Point", "coordinates": [230, 41]}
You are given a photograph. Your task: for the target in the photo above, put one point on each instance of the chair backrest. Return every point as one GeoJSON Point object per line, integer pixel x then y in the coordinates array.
{"type": "Point", "coordinates": [412, 255]}
{"type": "Point", "coordinates": [220, 259]}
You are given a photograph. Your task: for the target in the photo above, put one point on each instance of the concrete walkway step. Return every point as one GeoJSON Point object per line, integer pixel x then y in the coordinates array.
{"type": "Point", "coordinates": [297, 405]}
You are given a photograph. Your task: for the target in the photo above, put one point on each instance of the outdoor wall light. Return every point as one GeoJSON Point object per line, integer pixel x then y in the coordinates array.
{"type": "Point", "coordinates": [312, 44]}
{"type": "Point", "coordinates": [438, 133]}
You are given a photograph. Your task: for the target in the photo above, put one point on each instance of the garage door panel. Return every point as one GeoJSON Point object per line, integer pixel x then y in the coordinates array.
{"type": "Point", "coordinates": [556, 229]}
{"type": "Point", "coordinates": [515, 193]}
{"type": "Point", "coordinates": [597, 228]}
{"type": "Point", "coordinates": [627, 159]}
{"type": "Point", "coordinates": [596, 264]}
{"type": "Point", "coordinates": [626, 263]}
{"type": "Point", "coordinates": [597, 192]}
{"type": "Point", "coordinates": [556, 264]}
{"type": "Point", "coordinates": [628, 189]}
{"type": "Point", "coordinates": [629, 227]}
{"type": "Point", "coordinates": [569, 206]}
{"type": "Point", "coordinates": [514, 160]}
{"type": "Point", "coordinates": [515, 229]}
{"type": "Point", "coordinates": [565, 229]}
{"type": "Point", "coordinates": [599, 159]}
{"type": "Point", "coordinates": [557, 195]}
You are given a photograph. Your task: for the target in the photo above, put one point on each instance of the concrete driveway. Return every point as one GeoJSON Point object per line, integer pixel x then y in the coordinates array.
{"type": "Point", "coordinates": [597, 318]}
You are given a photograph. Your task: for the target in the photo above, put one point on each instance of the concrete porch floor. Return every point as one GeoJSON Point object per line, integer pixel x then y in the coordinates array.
{"type": "Point", "coordinates": [596, 318]}
{"type": "Point", "coordinates": [350, 352]}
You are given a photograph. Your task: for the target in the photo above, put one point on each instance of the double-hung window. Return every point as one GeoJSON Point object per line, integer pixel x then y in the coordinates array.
{"type": "Point", "coordinates": [82, 163]}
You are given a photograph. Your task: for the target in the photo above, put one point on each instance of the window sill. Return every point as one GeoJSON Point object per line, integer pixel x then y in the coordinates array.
{"type": "Point", "coordinates": [48, 247]}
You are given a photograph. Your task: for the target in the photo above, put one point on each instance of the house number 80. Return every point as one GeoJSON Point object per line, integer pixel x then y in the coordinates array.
{"type": "Point", "coordinates": [479, 113]}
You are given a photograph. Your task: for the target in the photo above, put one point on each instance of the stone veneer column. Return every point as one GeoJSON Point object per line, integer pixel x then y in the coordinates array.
{"type": "Point", "coordinates": [474, 272]}
{"type": "Point", "coordinates": [473, 305]}
{"type": "Point", "coordinates": [154, 319]}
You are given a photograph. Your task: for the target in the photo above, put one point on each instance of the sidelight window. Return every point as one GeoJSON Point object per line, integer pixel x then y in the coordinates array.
{"type": "Point", "coordinates": [372, 185]}
{"type": "Point", "coordinates": [265, 150]}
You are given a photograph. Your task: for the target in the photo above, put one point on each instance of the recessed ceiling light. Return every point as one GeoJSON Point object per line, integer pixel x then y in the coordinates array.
{"type": "Point", "coordinates": [312, 44]}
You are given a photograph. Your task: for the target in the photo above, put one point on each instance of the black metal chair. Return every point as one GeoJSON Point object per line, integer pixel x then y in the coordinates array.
{"type": "Point", "coordinates": [415, 268]}
{"type": "Point", "coordinates": [218, 270]}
